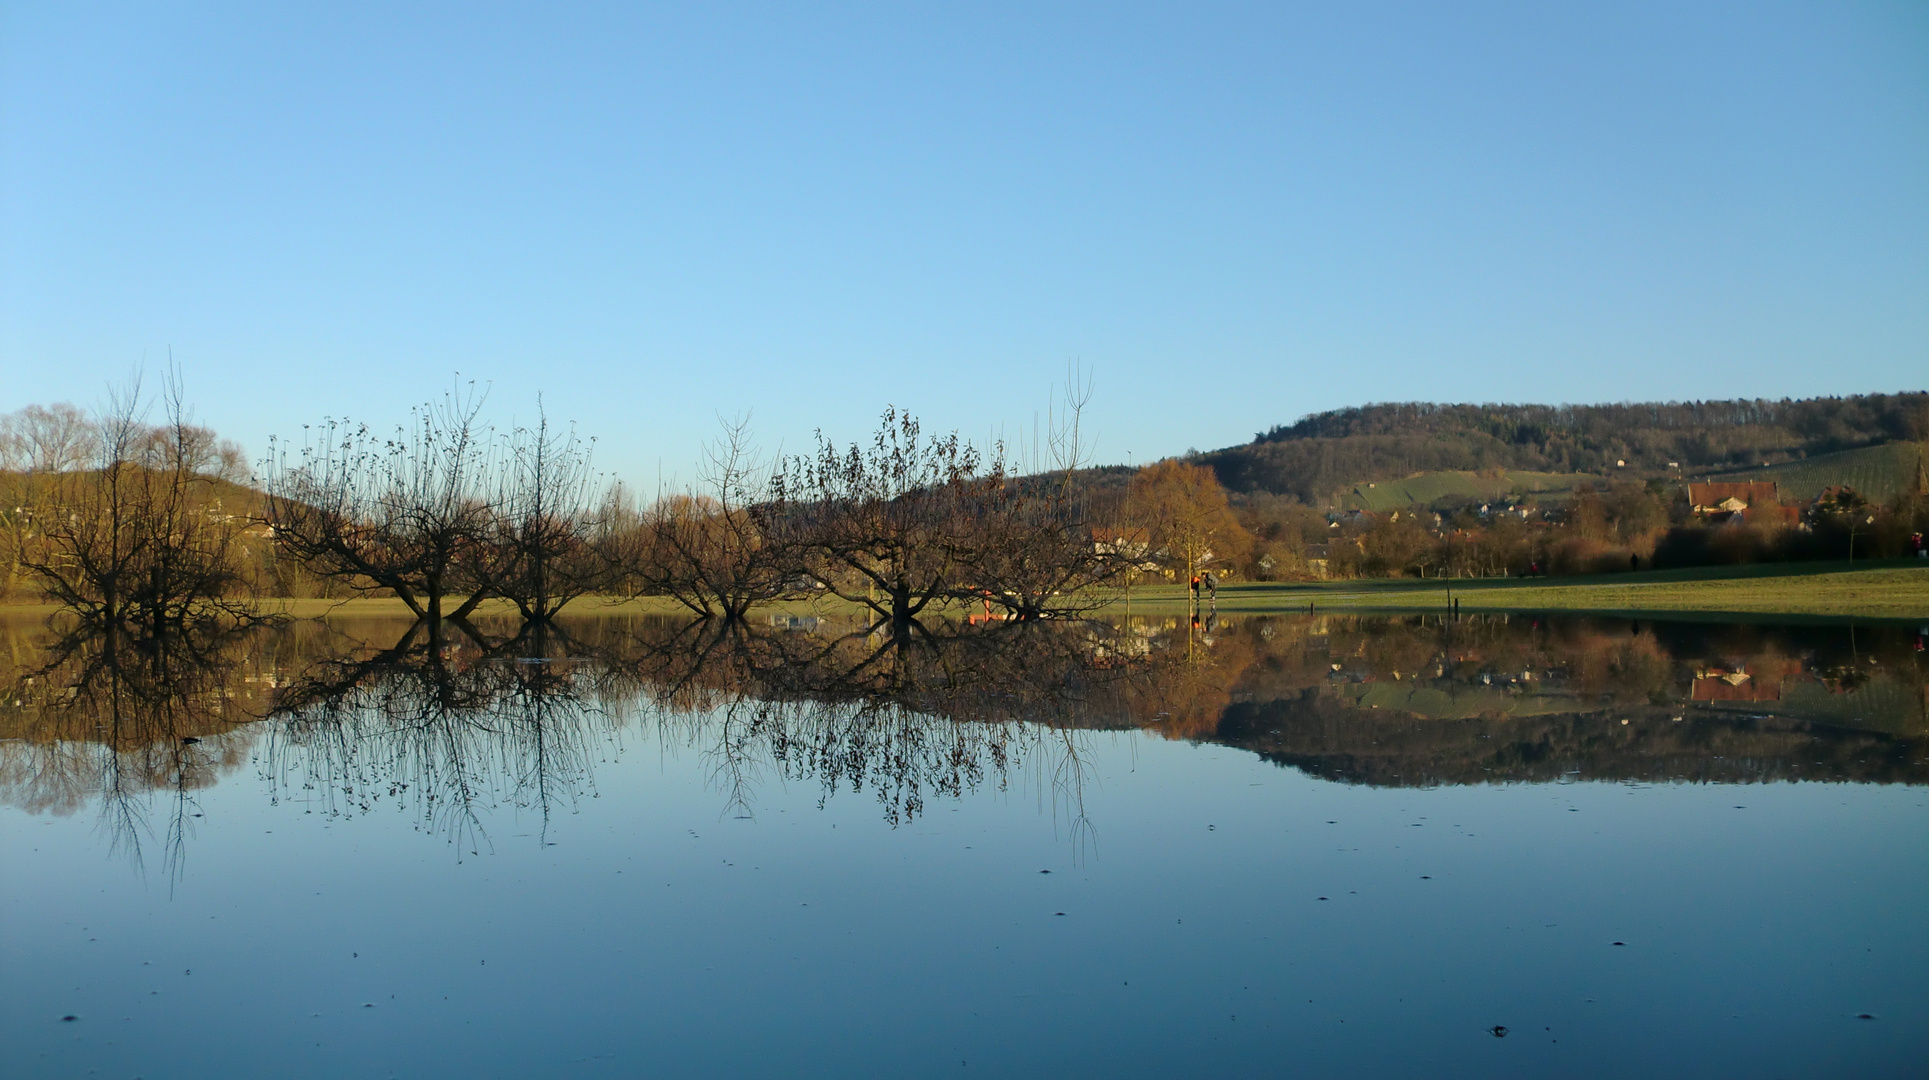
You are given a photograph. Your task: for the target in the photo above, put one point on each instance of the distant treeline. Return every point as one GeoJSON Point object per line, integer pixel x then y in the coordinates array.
{"type": "Point", "coordinates": [1326, 452]}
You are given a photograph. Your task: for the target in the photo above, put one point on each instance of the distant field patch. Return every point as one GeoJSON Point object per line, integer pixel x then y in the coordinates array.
{"type": "Point", "coordinates": [1423, 489]}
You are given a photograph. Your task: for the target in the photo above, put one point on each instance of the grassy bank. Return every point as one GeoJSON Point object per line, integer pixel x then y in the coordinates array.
{"type": "Point", "coordinates": [1893, 589]}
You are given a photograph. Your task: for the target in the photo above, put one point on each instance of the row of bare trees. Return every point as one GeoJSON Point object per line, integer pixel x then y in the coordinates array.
{"type": "Point", "coordinates": [895, 525]}
{"type": "Point", "coordinates": [154, 526]}
{"type": "Point", "coordinates": [442, 513]}
{"type": "Point", "coordinates": [444, 516]}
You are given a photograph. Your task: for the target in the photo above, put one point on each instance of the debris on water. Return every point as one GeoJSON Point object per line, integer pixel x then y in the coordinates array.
{"type": "Point", "coordinates": [1499, 1031]}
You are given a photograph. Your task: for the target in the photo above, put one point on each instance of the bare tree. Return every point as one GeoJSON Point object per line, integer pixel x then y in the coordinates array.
{"type": "Point", "coordinates": [880, 525]}
{"type": "Point", "coordinates": [540, 544]}
{"type": "Point", "coordinates": [719, 549]}
{"type": "Point", "coordinates": [409, 514]}
{"type": "Point", "coordinates": [1030, 547]}
{"type": "Point", "coordinates": [140, 540]}
{"type": "Point", "coordinates": [47, 439]}
{"type": "Point", "coordinates": [37, 444]}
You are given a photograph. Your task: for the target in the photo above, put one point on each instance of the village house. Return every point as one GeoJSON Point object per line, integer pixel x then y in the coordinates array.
{"type": "Point", "coordinates": [1316, 560]}
{"type": "Point", "coordinates": [1755, 502]}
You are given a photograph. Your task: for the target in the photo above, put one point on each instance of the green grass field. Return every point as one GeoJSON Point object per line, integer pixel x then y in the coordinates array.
{"type": "Point", "coordinates": [1892, 589]}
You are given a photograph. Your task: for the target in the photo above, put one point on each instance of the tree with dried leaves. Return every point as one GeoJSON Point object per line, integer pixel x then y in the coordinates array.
{"type": "Point", "coordinates": [1180, 516]}
{"type": "Point", "coordinates": [881, 525]}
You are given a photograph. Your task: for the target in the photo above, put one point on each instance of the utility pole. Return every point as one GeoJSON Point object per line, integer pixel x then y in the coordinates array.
{"type": "Point", "coordinates": [1869, 520]}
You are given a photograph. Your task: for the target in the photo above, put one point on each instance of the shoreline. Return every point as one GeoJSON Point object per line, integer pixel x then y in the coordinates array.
{"type": "Point", "coordinates": [1892, 590]}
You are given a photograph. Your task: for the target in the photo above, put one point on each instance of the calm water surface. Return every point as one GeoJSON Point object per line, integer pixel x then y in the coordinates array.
{"type": "Point", "coordinates": [1333, 847]}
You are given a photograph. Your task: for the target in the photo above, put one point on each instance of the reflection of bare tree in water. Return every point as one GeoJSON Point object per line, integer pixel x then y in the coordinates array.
{"type": "Point", "coordinates": [451, 730]}
{"type": "Point", "coordinates": [939, 714]}
{"type": "Point", "coordinates": [105, 717]}
{"type": "Point", "coordinates": [446, 731]}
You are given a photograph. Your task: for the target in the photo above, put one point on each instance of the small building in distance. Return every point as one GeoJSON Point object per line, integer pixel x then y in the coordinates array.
{"type": "Point", "coordinates": [1316, 556]}
{"type": "Point", "coordinates": [1730, 497]}
{"type": "Point", "coordinates": [1756, 502]}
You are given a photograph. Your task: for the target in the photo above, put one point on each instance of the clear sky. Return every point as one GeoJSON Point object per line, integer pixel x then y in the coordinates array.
{"type": "Point", "coordinates": [1231, 215]}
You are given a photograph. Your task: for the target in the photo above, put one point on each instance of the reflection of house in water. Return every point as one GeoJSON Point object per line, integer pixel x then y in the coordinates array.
{"type": "Point", "coordinates": [1760, 680]}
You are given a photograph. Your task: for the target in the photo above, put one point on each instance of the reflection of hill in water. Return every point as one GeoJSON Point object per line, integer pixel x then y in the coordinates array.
{"type": "Point", "coordinates": [1415, 702]}
{"type": "Point", "coordinates": [348, 717]}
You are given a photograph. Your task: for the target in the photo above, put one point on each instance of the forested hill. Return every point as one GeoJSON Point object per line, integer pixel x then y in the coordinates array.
{"type": "Point", "coordinates": [1327, 452]}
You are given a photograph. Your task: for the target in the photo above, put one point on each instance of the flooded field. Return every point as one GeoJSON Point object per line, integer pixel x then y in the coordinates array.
{"type": "Point", "coordinates": [1329, 846]}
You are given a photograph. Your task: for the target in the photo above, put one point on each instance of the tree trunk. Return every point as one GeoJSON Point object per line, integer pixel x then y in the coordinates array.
{"type": "Point", "coordinates": [901, 615]}
{"type": "Point", "coordinates": [433, 614]}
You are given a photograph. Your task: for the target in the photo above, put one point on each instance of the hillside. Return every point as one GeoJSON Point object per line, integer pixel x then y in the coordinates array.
{"type": "Point", "coordinates": [1323, 458]}
{"type": "Point", "coordinates": [1426, 489]}
{"type": "Point", "coordinates": [1878, 472]}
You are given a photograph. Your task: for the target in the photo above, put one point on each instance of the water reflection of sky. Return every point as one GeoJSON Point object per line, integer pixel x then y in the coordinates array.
{"type": "Point", "coordinates": [672, 871]}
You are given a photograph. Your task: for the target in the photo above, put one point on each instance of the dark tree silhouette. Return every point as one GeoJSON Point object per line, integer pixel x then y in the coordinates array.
{"type": "Point", "coordinates": [881, 525]}
{"type": "Point", "coordinates": [540, 555]}
{"type": "Point", "coordinates": [410, 514]}
{"type": "Point", "coordinates": [139, 539]}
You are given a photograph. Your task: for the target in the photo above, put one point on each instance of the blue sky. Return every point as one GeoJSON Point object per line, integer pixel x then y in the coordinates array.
{"type": "Point", "coordinates": [1230, 215]}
